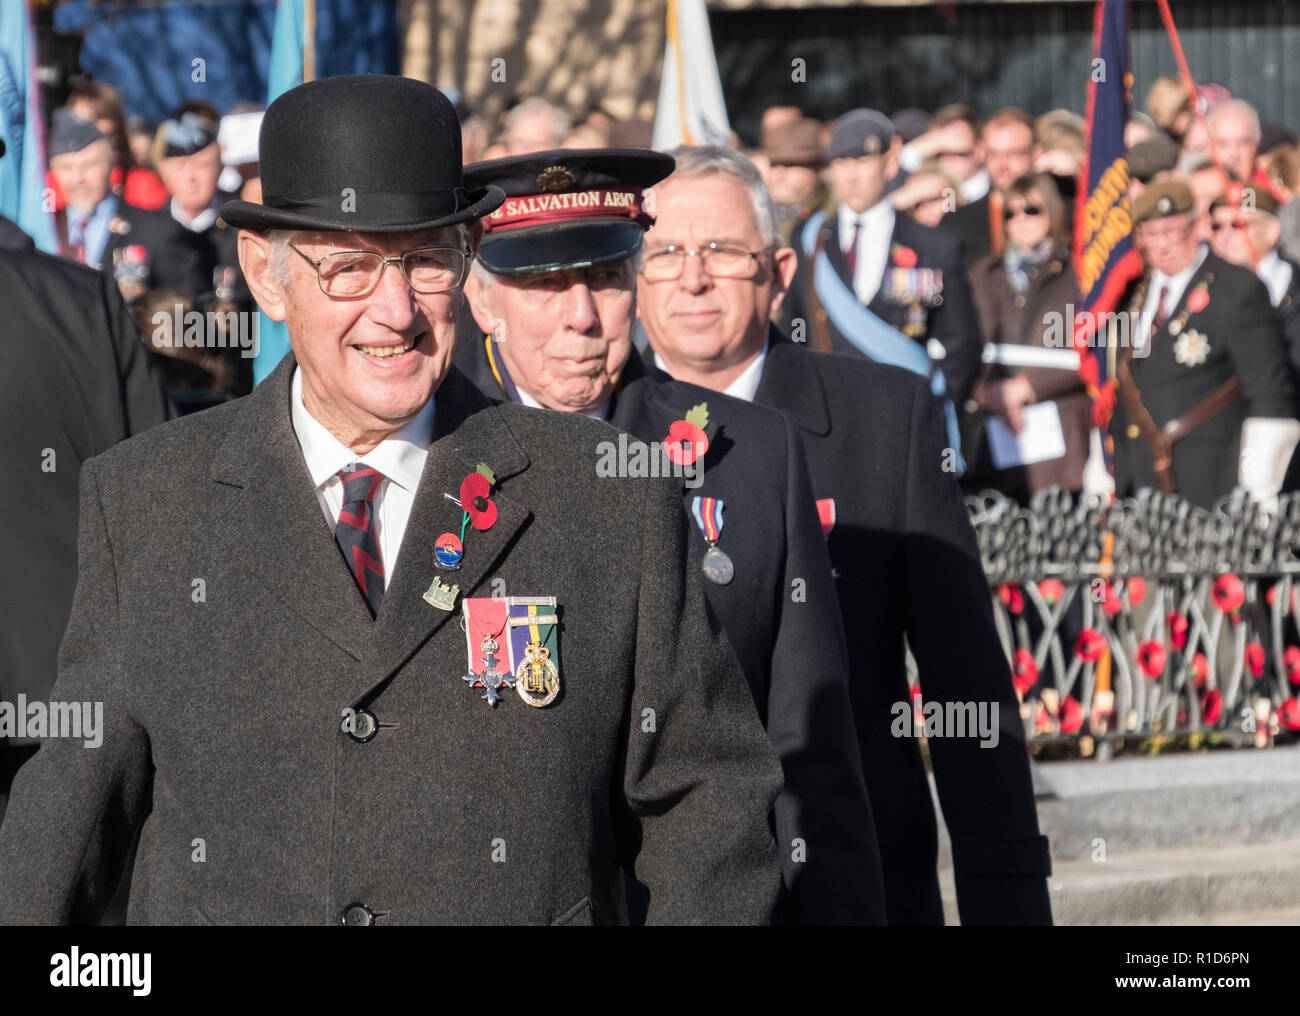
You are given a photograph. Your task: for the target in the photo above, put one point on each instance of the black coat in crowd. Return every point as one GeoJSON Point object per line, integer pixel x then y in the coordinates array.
{"type": "Point", "coordinates": [74, 381]}
{"type": "Point", "coordinates": [779, 614]}
{"type": "Point", "coordinates": [950, 318]}
{"type": "Point", "coordinates": [1237, 334]}
{"type": "Point", "coordinates": [907, 567]}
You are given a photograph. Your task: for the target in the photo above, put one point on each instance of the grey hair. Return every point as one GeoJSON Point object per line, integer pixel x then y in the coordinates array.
{"type": "Point", "coordinates": [278, 263]}
{"type": "Point", "coordinates": [560, 121]}
{"type": "Point", "coordinates": [1237, 106]}
{"type": "Point", "coordinates": [706, 160]}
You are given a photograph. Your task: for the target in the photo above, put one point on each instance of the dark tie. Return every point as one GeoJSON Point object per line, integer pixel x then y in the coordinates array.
{"type": "Point", "coordinates": [851, 255]}
{"type": "Point", "coordinates": [1161, 316]}
{"type": "Point", "coordinates": [355, 531]}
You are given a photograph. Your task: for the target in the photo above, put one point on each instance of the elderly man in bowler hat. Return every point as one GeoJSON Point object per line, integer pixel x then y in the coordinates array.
{"type": "Point", "coordinates": [364, 650]}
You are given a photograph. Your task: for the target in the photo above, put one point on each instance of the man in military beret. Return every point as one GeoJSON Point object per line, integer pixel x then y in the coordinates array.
{"type": "Point", "coordinates": [381, 646]}
{"type": "Point", "coordinates": [876, 283]}
{"type": "Point", "coordinates": [554, 292]}
{"type": "Point", "coordinates": [1205, 399]}
{"type": "Point", "coordinates": [907, 568]}
{"type": "Point", "coordinates": [1147, 160]}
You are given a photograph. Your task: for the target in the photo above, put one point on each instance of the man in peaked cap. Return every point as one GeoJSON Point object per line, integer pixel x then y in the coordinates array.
{"type": "Point", "coordinates": [554, 291]}
{"type": "Point", "coordinates": [887, 283]}
{"type": "Point", "coordinates": [1205, 398]}
{"type": "Point", "coordinates": [364, 708]}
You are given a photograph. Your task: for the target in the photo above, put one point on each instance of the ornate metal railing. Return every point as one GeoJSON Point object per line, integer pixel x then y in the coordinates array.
{"type": "Point", "coordinates": [1146, 615]}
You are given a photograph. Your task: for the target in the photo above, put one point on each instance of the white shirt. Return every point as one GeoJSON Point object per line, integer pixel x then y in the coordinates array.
{"type": "Point", "coordinates": [746, 384]}
{"type": "Point", "coordinates": [201, 221]}
{"type": "Point", "coordinates": [1276, 274]}
{"type": "Point", "coordinates": [1176, 283]}
{"type": "Point", "coordinates": [400, 457]}
{"type": "Point", "coordinates": [873, 245]}
{"type": "Point", "coordinates": [601, 412]}
{"type": "Point", "coordinates": [975, 187]}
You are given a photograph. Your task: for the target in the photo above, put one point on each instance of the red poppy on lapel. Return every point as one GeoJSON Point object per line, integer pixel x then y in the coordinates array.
{"type": "Point", "coordinates": [482, 510]}
{"type": "Point", "coordinates": [904, 257]}
{"type": "Point", "coordinates": [686, 440]}
{"type": "Point", "coordinates": [1198, 299]}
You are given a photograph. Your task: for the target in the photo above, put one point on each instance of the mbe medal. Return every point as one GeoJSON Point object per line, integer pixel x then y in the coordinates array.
{"type": "Point", "coordinates": [485, 618]}
{"type": "Point", "coordinates": [707, 512]}
{"type": "Point", "coordinates": [534, 649]}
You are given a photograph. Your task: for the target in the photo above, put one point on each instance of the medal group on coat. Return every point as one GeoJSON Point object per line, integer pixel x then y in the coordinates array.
{"type": "Point", "coordinates": [678, 693]}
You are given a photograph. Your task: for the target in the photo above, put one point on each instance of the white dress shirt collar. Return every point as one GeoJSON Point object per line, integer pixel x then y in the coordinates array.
{"type": "Point", "coordinates": [200, 222]}
{"type": "Point", "coordinates": [1177, 283]}
{"type": "Point", "coordinates": [1276, 274]}
{"type": "Point", "coordinates": [400, 456]}
{"type": "Point", "coordinates": [746, 384]}
{"type": "Point", "coordinates": [601, 412]}
{"type": "Point", "coordinates": [877, 219]}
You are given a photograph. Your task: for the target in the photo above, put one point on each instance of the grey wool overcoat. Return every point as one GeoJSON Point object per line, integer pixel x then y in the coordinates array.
{"type": "Point", "coordinates": [224, 713]}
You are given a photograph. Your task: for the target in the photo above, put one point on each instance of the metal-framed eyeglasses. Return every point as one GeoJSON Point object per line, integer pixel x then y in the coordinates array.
{"type": "Point", "coordinates": [720, 260]}
{"type": "Point", "coordinates": [349, 274]}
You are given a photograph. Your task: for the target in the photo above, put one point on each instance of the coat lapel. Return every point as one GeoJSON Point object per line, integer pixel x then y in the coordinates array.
{"type": "Point", "coordinates": [834, 246]}
{"type": "Point", "coordinates": [290, 546]}
{"type": "Point", "coordinates": [468, 429]}
{"type": "Point", "coordinates": [287, 540]}
{"type": "Point", "coordinates": [790, 384]}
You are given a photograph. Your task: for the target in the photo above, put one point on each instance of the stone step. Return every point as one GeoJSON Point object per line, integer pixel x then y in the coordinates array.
{"type": "Point", "coordinates": [1242, 796]}
{"type": "Point", "coordinates": [1224, 884]}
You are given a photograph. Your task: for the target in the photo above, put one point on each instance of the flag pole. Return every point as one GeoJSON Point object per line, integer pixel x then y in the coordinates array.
{"type": "Point", "coordinates": [308, 40]}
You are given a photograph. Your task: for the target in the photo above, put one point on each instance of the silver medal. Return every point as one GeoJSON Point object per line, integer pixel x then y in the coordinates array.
{"type": "Point", "coordinates": [718, 567]}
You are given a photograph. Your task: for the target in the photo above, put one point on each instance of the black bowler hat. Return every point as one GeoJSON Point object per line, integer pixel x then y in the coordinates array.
{"type": "Point", "coordinates": [567, 208]}
{"type": "Point", "coordinates": [366, 153]}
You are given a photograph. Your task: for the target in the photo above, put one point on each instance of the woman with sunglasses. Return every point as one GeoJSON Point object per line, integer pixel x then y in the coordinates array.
{"type": "Point", "coordinates": [1024, 297]}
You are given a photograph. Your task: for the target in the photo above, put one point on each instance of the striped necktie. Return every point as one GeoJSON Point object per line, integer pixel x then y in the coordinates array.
{"type": "Point", "coordinates": [355, 532]}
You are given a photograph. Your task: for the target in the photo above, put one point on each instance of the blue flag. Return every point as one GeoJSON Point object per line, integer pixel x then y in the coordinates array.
{"type": "Point", "coordinates": [22, 168]}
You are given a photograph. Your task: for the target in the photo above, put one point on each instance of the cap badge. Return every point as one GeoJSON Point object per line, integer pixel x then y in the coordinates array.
{"type": "Point", "coordinates": [554, 179]}
{"type": "Point", "coordinates": [1164, 206]}
{"type": "Point", "coordinates": [872, 145]}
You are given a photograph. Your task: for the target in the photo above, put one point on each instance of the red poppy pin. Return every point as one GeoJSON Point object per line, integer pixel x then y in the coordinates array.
{"type": "Point", "coordinates": [1291, 662]}
{"type": "Point", "coordinates": [1012, 598]}
{"type": "Point", "coordinates": [904, 257]}
{"type": "Point", "coordinates": [1229, 594]}
{"type": "Point", "coordinates": [474, 499]}
{"type": "Point", "coordinates": [1090, 645]}
{"type": "Point", "coordinates": [1177, 629]}
{"type": "Point", "coordinates": [1255, 659]}
{"type": "Point", "coordinates": [1151, 658]}
{"type": "Point", "coordinates": [1024, 672]}
{"type": "Point", "coordinates": [1198, 299]}
{"type": "Point", "coordinates": [1212, 706]}
{"type": "Point", "coordinates": [686, 440]}
{"type": "Point", "coordinates": [1051, 590]}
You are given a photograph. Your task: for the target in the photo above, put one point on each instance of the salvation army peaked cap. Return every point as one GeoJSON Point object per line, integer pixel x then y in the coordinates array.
{"type": "Point", "coordinates": [364, 153]}
{"type": "Point", "coordinates": [567, 208]}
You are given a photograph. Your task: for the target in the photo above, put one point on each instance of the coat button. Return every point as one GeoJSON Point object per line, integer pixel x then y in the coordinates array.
{"type": "Point", "coordinates": [1133, 431]}
{"type": "Point", "coordinates": [357, 915]}
{"type": "Point", "coordinates": [1020, 299]}
{"type": "Point", "coordinates": [361, 726]}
